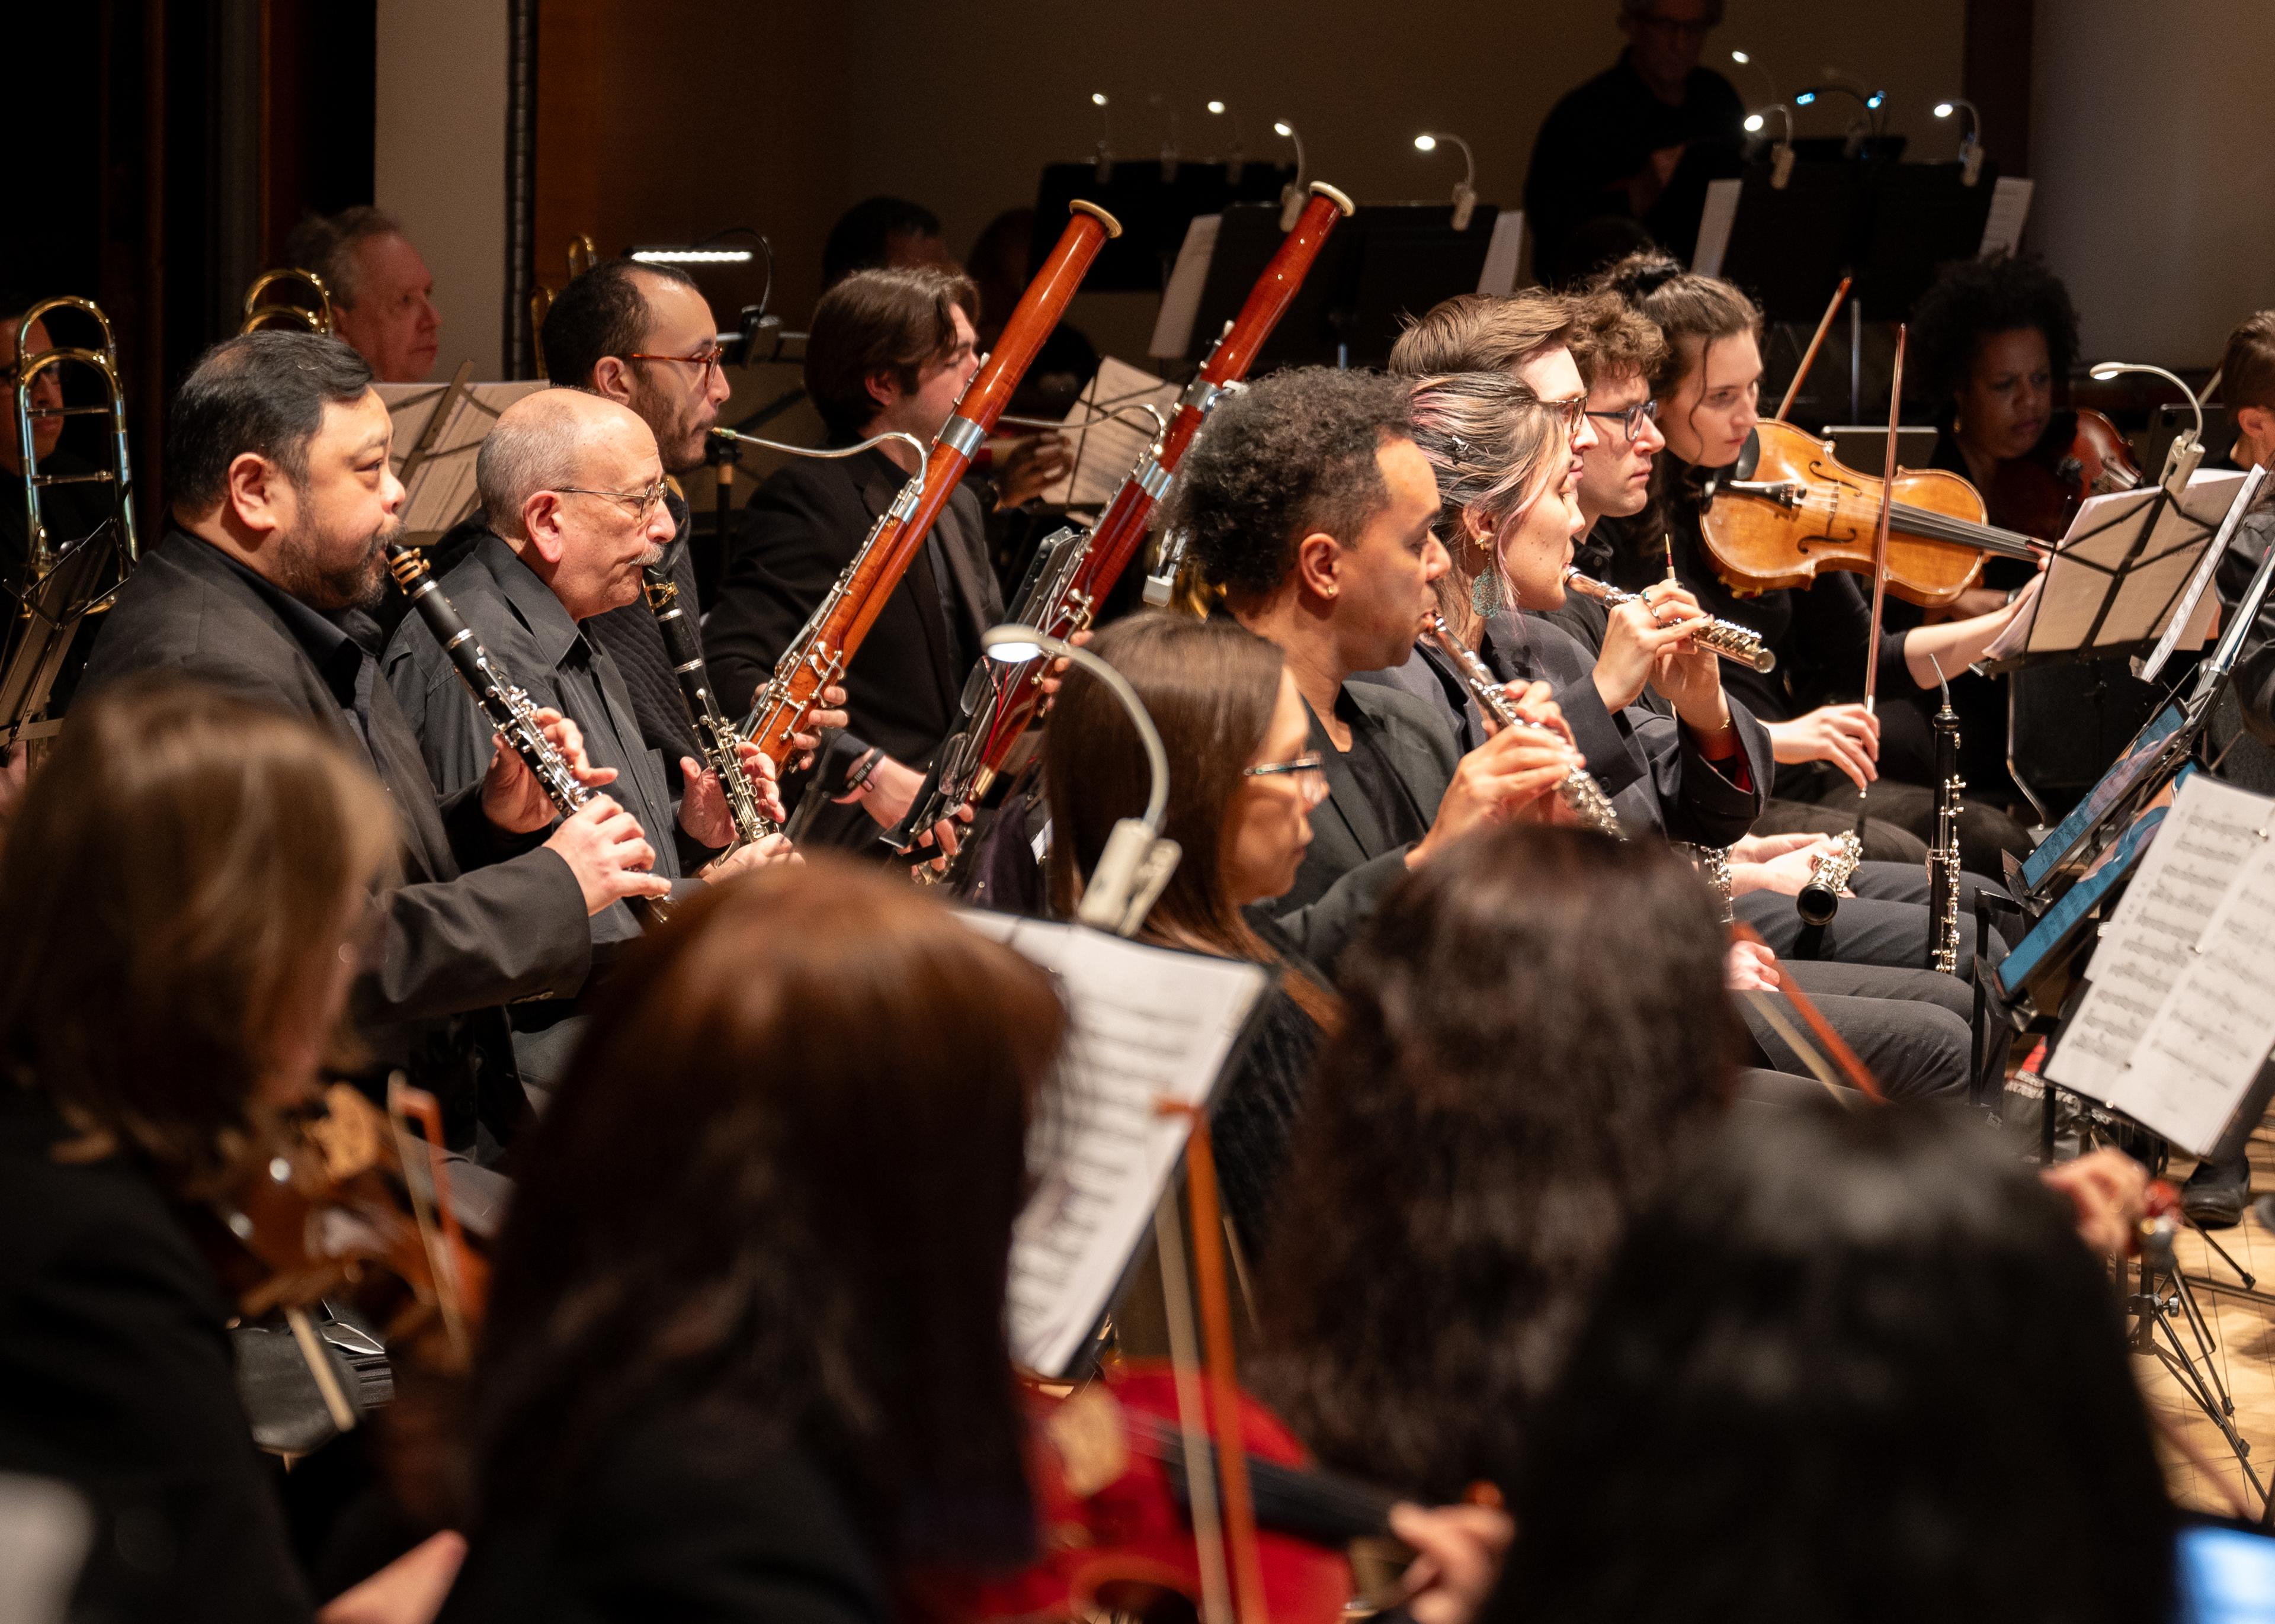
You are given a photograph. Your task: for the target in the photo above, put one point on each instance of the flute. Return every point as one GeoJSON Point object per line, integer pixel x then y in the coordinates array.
{"type": "Point", "coordinates": [1578, 790]}
{"type": "Point", "coordinates": [1739, 644]}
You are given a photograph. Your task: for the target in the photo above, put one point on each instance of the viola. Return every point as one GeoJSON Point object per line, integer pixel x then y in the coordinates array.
{"type": "Point", "coordinates": [1107, 1466]}
{"type": "Point", "coordinates": [1790, 508]}
{"type": "Point", "coordinates": [2040, 494]}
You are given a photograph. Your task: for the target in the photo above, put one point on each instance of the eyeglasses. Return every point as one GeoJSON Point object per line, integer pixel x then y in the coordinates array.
{"type": "Point", "coordinates": [640, 504]}
{"type": "Point", "coordinates": [1308, 772]}
{"type": "Point", "coordinates": [709, 359]}
{"type": "Point", "coordinates": [1568, 413]}
{"type": "Point", "coordinates": [1632, 420]}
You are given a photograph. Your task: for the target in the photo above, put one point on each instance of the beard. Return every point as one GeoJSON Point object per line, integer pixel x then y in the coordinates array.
{"type": "Point", "coordinates": [330, 573]}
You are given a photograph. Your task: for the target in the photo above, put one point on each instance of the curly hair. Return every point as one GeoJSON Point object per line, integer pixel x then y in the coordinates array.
{"type": "Point", "coordinates": [1536, 1024]}
{"type": "Point", "coordinates": [1974, 299]}
{"type": "Point", "coordinates": [1287, 456]}
{"type": "Point", "coordinates": [1683, 306]}
{"type": "Point", "coordinates": [1610, 337]}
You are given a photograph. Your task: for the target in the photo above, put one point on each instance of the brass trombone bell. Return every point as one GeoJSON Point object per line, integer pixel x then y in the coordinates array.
{"type": "Point", "coordinates": [103, 362]}
{"type": "Point", "coordinates": [261, 313]}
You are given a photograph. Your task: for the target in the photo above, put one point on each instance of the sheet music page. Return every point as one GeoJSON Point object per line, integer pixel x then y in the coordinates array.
{"type": "Point", "coordinates": [441, 489]}
{"type": "Point", "coordinates": [2077, 580]}
{"type": "Point", "coordinates": [1147, 1025]}
{"type": "Point", "coordinates": [1715, 223]}
{"type": "Point", "coordinates": [2015, 635]}
{"type": "Point", "coordinates": [1498, 280]}
{"type": "Point", "coordinates": [2201, 847]}
{"type": "Point", "coordinates": [2010, 207]}
{"type": "Point", "coordinates": [1181, 300]}
{"type": "Point", "coordinates": [1106, 449]}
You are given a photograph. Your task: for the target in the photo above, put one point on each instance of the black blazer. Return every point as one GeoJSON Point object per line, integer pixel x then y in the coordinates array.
{"type": "Point", "coordinates": [1343, 874]}
{"type": "Point", "coordinates": [797, 536]}
{"type": "Point", "coordinates": [115, 1376]}
{"type": "Point", "coordinates": [455, 943]}
{"type": "Point", "coordinates": [674, 1520]}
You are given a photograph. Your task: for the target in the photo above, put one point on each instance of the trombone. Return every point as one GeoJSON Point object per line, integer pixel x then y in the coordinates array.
{"type": "Point", "coordinates": [582, 253]}
{"type": "Point", "coordinates": [259, 312]}
{"type": "Point", "coordinates": [103, 363]}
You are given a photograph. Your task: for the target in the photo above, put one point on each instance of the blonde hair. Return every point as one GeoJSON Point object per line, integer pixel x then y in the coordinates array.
{"type": "Point", "coordinates": [1494, 447]}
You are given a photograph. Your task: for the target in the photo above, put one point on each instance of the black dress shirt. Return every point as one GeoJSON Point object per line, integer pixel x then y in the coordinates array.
{"type": "Point", "coordinates": [1604, 133]}
{"type": "Point", "coordinates": [116, 1377]}
{"type": "Point", "coordinates": [481, 919]}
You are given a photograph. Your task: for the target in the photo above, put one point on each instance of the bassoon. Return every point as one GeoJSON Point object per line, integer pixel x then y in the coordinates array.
{"type": "Point", "coordinates": [818, 654]}
{"type": "Point", "coordinates": [1073, 572]}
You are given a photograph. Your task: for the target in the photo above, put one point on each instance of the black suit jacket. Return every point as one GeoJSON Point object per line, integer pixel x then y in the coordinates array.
{"type": "Point", "coordinates": [1345, 870]}
{"type": "Point", "coordinates": [455, 944]}
{"type": "Point", "coordinates": [673, 1519]}
{"type": "Point", "coordinates": [799, 532]}
{"type": "Point", "coordinates": [116, 1377]}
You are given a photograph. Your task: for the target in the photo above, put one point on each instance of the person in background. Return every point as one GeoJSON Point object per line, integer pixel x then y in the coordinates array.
{"type": "Point", "coordinates": [383, 294]}
{"type": "Point", "coordinates": [187, 889]}
{"type": "Point", "coordinates": [880, 233]}
{"type": "Point", "coordinates": [1855, 1367]}
{"type": "Point", "coordinates": [1604, 178]}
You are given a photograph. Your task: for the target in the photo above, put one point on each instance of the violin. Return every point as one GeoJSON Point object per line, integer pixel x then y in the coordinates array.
{"type": "Point", "coordinates": [1789, 508]}
{"type": "Point", "coordinates": [1113, 1497]}
{"type": "Point", "coordinates": [2040, 494]}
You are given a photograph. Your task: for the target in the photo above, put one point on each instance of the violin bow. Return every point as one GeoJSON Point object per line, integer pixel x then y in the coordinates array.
{"type": "Point", "coordinates": [421, 1155]}
{"type": "Point", "coordinates": [1853, 1069]}
{"type": "Point", "coordinates": [1881, 551]}
{"type": "Point", "coordinates": [1809, 356]}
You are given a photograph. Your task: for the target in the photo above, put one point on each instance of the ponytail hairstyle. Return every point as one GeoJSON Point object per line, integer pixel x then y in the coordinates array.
{"type": "Point", "coordinates": [1494, 447]}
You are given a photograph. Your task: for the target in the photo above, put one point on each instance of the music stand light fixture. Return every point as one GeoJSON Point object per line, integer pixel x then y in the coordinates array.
{"type": "Point", "coordinates": [1465, 191]}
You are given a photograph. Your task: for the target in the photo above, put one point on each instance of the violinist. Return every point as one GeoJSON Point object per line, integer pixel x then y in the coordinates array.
{"type": "Point", "coordinates": [1828, 746]}
{"type": "Point", "coordinates": [1309, 507]}
{"type": "Point", "coordinates": [187, 891]}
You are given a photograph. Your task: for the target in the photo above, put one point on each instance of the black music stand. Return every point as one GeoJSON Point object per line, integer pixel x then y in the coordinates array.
{"type": "Point", "coordinates": [1153, 211]}
{"type": "Point", "coordinates": [48, 614]}
{"type": "Point", "coordinates": [1919, 217]}
{"type": "Point", "coordinates": [1790, 245]}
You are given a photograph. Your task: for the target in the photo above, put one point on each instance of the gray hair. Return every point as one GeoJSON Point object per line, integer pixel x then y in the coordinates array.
{"type": "Point", "coordinates": [325, 244]}
{"type": "Point", "coordinates": [524, 453]}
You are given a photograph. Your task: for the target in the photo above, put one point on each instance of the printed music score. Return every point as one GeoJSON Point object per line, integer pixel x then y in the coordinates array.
{"type": "Point", "coordinates": [1107, 448]}
{"type": "Point", "coordinates": [436, 461]}
{"type": "Point", "coordinates": [2180, 1009]}
{"type": "Point", "coordinates": [1147, 1025]}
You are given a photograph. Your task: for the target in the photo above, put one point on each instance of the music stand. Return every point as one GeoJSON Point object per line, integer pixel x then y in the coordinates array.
{"type": "Point", "coordinates": [1919, 218]}
{"type": "Point", "coordinates": [1790, 245]}
{"type": "Point", "coordinates": [1153, 212]}
{"type": "Point", "coordinates": [48, 615]}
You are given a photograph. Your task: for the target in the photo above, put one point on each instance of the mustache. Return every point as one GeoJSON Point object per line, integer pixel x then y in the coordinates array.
{"type": "Point", "coordinates": [653, 556]}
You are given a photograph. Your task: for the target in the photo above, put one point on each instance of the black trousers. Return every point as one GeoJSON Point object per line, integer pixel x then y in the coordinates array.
{"type": "Point", "coordinates": [1885, 923]}
{"type": "Point", "coordinates": [1884, 841]}
{"type": "Point", "coordinates": [1910, 1027]}
{"type": "Point", "coordinates": [1984, 831]}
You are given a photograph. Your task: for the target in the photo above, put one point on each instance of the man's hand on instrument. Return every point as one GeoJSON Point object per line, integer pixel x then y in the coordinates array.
{"type": "Point", "coordinates": [513, 799]}
{"type": "Point", "coordinates": [1536, 702]}
{"type": "Point", "coordinates": [758, 854]}
{"type": "Point", "coordinates": [1027, 468]}
{"type": "Point", "coordinates": [1507, 776]}
{"type": "Point", "coordinates": [1458, 1552]}
{"type": "Point", "coordinates": [1762, 847]}
{"type": "Point", "coordinates": [2109, 1191]}
{"type": "Point", "coordinates": [805, 746]}
{"type": "Point", "coordinates": [1750, 967]}
{"type": "Point", "coordinates": [703, 810]}
{"type": "Point", "coordinates": [1055, 675]}
{"type": "Point", "coordinates": [1635, 641]}
{"type": "Point", "coordinates": [1785, 873]}
{"type": "Point", "coordinates": [946, 838]}
{"type": "Point", "coordinates": [1847, 735]}
{"type": "Point", "coordinates": [604, 848]}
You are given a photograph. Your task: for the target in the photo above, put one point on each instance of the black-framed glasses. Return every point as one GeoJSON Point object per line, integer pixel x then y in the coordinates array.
{"type": "Point", "coordinates": [638, 503]}
{"type": "Point", "coordinates": [1310, 774]}
{"type": "Point", "coordinates": [710, 357]}
{"type": "Point", "coordinates": [1631, 418]}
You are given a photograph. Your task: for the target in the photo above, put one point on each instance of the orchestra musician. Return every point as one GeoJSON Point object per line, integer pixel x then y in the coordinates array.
{"type": "Point", "coordinates": [573, 491]}
{"type": "Point", "coordinates": [1828, 747]}
{"type": "Point", "coordinates": [187, 889]}
{"type": "Point", "coordinates": [643, 335]}
{"type": "Point", "coordinates": [70, 511]}
{"type": "Point", "coordinates": [383, 294]}
{"type": "Point", "coordinates": [282, 501]}
{"type": "Point", "coordinates": [1309, 507]}
{"type": "Point", "coordinates": [1765, 1413]}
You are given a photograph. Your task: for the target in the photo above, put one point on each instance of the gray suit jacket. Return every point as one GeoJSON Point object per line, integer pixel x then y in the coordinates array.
{"type": "Point", "coordinates": [1345, 872]}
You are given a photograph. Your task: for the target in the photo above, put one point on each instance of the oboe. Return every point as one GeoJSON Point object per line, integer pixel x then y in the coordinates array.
{"type": "Point", "coordinates": [716, 735]}
{"type": "Point", "coordinates": [1943, 856]}
{"type": "Point", "coordinates": [507, 708]}
{"type": "Point", "coordinates": [1579, 791]}
{"type": "Point", "coordinates": [1829, 873]}
{"type": "Point", "coordinates": [1738, 645]}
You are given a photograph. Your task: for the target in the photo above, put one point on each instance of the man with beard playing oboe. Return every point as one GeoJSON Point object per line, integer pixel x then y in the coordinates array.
{"type": "Point", "coordinates": [277, 455]}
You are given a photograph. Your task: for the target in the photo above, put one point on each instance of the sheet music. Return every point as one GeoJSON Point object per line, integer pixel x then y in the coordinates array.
{"type": "Point", "coordinates": [2016, 634]}
{"type": "Point", "coordinates": [1181, 300]}
{"type": "Point", "coordinates": [1715, 223]}
{"type": "Point", "coordinates": [2179, 1014]}
{"type": "Point", "coordinates": [441, 489]}
{"type": "Point", "coordinates": [1148, 1025]}
{"type": "Point", "coordinates": [2077, 579]}
{"type": "Point", "coordinates": [2010, 207]}
{"type": "Point", "coordinates": [1498, 280]}
{"type": "Point", "coordinates": [2245, 495]}
{"type": "Point", "coordinates": [1106, 448]}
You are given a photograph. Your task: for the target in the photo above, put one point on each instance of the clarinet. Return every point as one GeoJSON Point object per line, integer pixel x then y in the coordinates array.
{"type": "Point", "coordinates": [1942, 857]}
{"type": "Point", "coordinates": [1820, 899]}
{"type": "Point", "coordinates": [715, 734]}
{"type": "Point", "coordinates": [507, 708]}
{"type": "Point", "coordinates": [1579, 791]}
{"type": "Point", "coordinates": [1738, 645]}
{"type": "Point", "coordinates": [1713, 865]}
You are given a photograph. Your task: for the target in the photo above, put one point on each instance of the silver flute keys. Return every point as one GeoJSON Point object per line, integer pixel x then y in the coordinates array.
{"type": "Point", "coordinates": [1579, 791]}
{"type": "Point", "coordinates": [1737, 644]}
